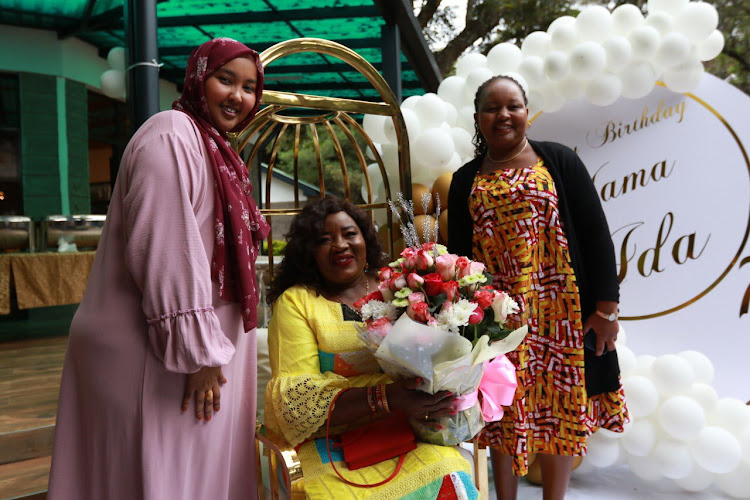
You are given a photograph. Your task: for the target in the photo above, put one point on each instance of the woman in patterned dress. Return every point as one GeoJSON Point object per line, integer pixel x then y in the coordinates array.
{"type": "Point", "coordinates": [530, 212]}
{"type": "Point", "coordinates": [315, 353]}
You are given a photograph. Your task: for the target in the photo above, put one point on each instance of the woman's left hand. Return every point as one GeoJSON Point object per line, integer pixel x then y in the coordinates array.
{"type": "Point", "coordinates": [205, 387]}
{"type": "Point", "coordinates": [606, 332]}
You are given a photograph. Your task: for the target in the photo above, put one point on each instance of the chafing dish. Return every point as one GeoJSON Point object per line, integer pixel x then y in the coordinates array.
{"type": "Point", "coordinates": [17, 233]}
{"type": "Point", "coordinates": [83, 230]}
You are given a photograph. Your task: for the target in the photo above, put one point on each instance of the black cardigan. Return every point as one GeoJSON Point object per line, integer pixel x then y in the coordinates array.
{"type": "Point", "coordinates": [589, 241]}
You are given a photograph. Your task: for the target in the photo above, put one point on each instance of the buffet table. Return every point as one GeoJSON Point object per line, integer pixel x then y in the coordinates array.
{"type": "Point", "coordinates": [43, 279]}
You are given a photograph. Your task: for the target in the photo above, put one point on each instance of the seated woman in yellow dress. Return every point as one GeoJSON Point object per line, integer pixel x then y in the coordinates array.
{"type": "Point", "coordinates": [331, 261]}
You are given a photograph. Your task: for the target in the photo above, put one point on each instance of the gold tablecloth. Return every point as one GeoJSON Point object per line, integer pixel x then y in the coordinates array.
{"type": "Point", "coordinates": [44, 279]}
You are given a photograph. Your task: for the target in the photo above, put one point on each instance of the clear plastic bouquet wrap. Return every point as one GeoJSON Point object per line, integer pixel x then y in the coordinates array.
{"type": "Point", "coordinates": [436, 316]}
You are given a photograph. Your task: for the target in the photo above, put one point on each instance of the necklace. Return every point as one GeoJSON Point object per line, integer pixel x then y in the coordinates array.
{"type": "Point", "coordinates": [526, 143]}
{"type": "Point", "coordinates": [342, 301]}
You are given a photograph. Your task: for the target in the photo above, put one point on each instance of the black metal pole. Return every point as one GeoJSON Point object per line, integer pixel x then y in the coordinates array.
{"type": "Point", "coordinates": [391, 40]}
{"type": "Point", "coordinates": [143, 80]}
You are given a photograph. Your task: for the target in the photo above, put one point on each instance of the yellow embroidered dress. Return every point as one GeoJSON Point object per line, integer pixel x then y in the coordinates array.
{"type": "Point", "coordinates": [315, 353]}
{"type": "Point", "coordinates": [518, 234]}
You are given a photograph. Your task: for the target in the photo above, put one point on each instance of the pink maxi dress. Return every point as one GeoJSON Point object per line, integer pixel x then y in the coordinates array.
{"type": "Point", "coordinates": [151, 314]}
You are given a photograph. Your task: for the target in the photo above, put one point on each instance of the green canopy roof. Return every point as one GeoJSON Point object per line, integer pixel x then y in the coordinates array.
{"type": "Point", "coordinates": [184, 24]}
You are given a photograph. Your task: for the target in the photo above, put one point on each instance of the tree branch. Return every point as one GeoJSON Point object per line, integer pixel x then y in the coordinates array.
{"type": "Point", "coordinates": [737, 57]}
{"type": "Point", "coordinates": [428, 10]}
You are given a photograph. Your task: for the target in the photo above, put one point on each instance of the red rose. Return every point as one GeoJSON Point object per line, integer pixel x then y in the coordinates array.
{"type": "Point", "coordinates": [419, 312]}
{"type": "Point", "coordinates": [376, 295]}
{"type": "Point", "coordinates": [477, 316]}
{"type": "Point", "coordinates": [450, 289]}
{"type": "Point", "coordinates": [432, 283]}
{"type": "Point", "coordinates": [484, 298]}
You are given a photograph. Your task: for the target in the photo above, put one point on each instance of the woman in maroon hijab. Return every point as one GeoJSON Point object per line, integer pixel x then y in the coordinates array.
{"type": "Point", "coordinates": [159, 384]}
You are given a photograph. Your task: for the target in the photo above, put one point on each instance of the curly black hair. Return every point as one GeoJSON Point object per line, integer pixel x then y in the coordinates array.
{"type": "Point", "coordinates": [298, 266]}
{"type": "Point", "coordinates": [480, 144]}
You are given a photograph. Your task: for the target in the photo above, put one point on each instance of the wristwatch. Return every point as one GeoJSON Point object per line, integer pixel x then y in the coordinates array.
{"type": "Point", "coordinates": [609, 317]}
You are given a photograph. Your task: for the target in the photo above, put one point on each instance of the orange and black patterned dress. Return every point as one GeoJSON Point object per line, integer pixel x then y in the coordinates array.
{"type": "Point", "coordinates": [518, 234]}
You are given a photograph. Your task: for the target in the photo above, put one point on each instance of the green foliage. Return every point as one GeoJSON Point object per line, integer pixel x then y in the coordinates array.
{"type": "Point", "coordinates": [278, 247]}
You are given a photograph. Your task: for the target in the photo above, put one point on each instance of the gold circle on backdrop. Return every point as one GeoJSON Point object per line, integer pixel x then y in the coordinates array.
{"type": "Point", "coordinates": [443, 227]}
{"type": "Point", "coordinates": [440, 188]}
{"type": "Point", "coordinates": [417, 190]}
{"type": "Point", "coordinates": [736, 258]}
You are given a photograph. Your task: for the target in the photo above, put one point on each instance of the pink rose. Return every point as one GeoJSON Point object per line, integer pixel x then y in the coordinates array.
{"type": "Point", "coordinates": [386, 291]}
{"type": "Point", "coordinates": [419, 311]}
{"type": "Point", "coordinates": [463, 266]}
{"type": "Point", "coordinates": [380, 326]}
{"type": "Point", "coordinates": [446, 266]}
{"type": "Point", "coordinates": [398, 282]}
{"type": "Point", "coordinates": [450, 289]}
{"type": "Point", "coordinates": [476, 268]}
{"type": "Point", "coordinates": [424, 260]}
{"type": "Point", "coordinates": [385, 273]}
{"type": "Point", "coordinates": [477, 316]}
{"type": "Point", "coordinates": [414, 281]}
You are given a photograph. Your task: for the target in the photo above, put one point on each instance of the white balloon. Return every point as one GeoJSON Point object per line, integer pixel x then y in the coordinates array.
{"type": "Point", "coordinates": [451, 114]}
{"type": "Point", "coordinates": [535, 44]}
{"type": "Point", "coordinates": [430, 110]}
{"type": "Point", "coordinates": [672, 374]}
{"type": "Point", "coordinates": [113, 83]}
{"type": "Point", "coordinates": [453, 165]}
{"type": "Point", "coordinates": [532, 69]}
{"type": "Point", "coordinates": [450, 90]}
{"type": "Point", "coordinates": [571, 87]}
{"type": "Point", "coordinates": [434, 147]}
{"type": "Point", "coordinates": [644, 40]}
{"type": "Point", "coordinates": [668, 6]}
{"type": "Point", "coordinates": [413, 127]}
{"type": "Point", "coordinates": [536, 102]}
{"type": "Point", "coordinates": [519, 79]}
{"type": "Point", "coordinates": [643, 398]}
{"type": "Point", "coordinates": [504, 57]}
{"type": "Point", "coordinates": [662, 22]}
{"type": "Point", "coordinates": [411, 101]}
{"type": "Point", "coordinates": [698, 479]}
{"type": "Point", "coordinates": [744, 440]}
{"type": "Point", "coordinates": [601, 451]}
{"type": "Point", "coordinates": [587, 60]}
{"type": "Point", "coordinates": [619, 52]}
{"type": "Point", "coordinates": [640, 438]}
{"type": "Point", "coordinates": [702, 366]}
{"type": "Point", "coordinates": [626, 359]}
{"type": "Point", "coordinates": [685, 77]}
{"type": "Point", "coordinates": [374, 127]}
{"type": "Point", "coordinates": [716, 450]}
{"type": "Point", "coordinates": [562, 21]}
{"type": "Point", "coordinates": [376, 183]}
{"type": "Point", "coordinates": [711, 46]}
{"type": "Point", "coordinates": [604, 89]}
{"type": "Point", "coordinates": [697, 21]}
{"type": "Point", "coordinates": [622, 336]}
{"type": "Point", "coordinates": [594, 23]}
{"type": "Point", "coordinates": [645, 468]}
{"type": "Point", "coordinates": [465, 118]}
{"type": "Point", "coordinates": [673, 458]}
{"type": "Point", "coordinates": [681, 417]}
{"type": "Point", "coordinates": [553, 100]}
{"type": "Point", "coordinates": [645, 362]}
{"type": "Point", "coordinates": [564, 37]}
{"type": "Point", "coordinates": [673, 50]}
{"type": "Point", "coordinates": [117, 58]}
{"type": "Point", "coordinates": [625, 18]}
{"type": "Point", "coordinates": [556, 65]}
{"type": "Point", "coordinates": [468, 62]}
{"type": "Point", "coordinates": [731, 414]}
{"type": "Point", "coordinates": [704, 395]}
{"type": "Point", "coordinates": [474, 79]}
{"type": "Point", "coordinates": [638, 79]}
{"type": "Point", "coordinates": [735, 483]}
{"type": "Point", "coordinates": [390, 161]}
{"type": "Point", "coordinates": [462, 142]}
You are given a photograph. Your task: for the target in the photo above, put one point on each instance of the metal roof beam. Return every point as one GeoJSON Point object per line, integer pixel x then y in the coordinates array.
{"type": "Point", "coordinates": [414, 44]}
{"type": "Point", "coordinates": [352, 43]}
{"type": "Point", "coordinates": [280, 69]}
{"type": "Point", "coordinates": [281, 86]}
{"type": "Point", "coordinates": [271, 16]}
{"type": "Point", "coordinates": [111, 19]}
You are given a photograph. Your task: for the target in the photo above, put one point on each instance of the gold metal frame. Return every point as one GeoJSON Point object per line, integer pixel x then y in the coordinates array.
{"type": "Point", "coordinates": [334, 113]}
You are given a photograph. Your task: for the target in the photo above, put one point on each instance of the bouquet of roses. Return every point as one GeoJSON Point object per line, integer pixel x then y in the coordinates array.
{"type": "Point", "coordinates": [436, 316]}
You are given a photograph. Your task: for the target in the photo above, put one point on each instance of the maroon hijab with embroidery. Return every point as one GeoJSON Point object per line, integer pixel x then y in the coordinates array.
{"type": "Point", "coordinates": [240, 227]}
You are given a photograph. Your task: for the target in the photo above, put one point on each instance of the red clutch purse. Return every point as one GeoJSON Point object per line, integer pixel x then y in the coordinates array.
{"type": "Point", "coordinates": [373, 443]}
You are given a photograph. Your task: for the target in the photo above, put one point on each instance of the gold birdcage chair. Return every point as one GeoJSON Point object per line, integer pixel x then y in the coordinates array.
{"type": "Point", "coordinates": [288, 115]}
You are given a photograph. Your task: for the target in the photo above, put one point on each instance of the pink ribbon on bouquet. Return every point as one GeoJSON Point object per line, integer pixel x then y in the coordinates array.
{"type": "Point", "coordinates": [498, 388]}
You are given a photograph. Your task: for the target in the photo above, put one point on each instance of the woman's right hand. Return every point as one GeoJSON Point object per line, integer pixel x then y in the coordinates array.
{"type": "Point", "coordinates": [404, 396]}
{"type": "Point", "coordinates": [205, 387]}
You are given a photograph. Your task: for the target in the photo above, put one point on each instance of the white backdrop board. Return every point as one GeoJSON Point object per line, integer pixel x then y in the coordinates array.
{"type": "Point", "coordinates": [673, 174]}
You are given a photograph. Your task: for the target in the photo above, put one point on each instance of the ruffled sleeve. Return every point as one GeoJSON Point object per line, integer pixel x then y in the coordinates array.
{"type": "Point", "coordinates": [165, 182]}
{"type": "Point", "coordinates": [298, 396]}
